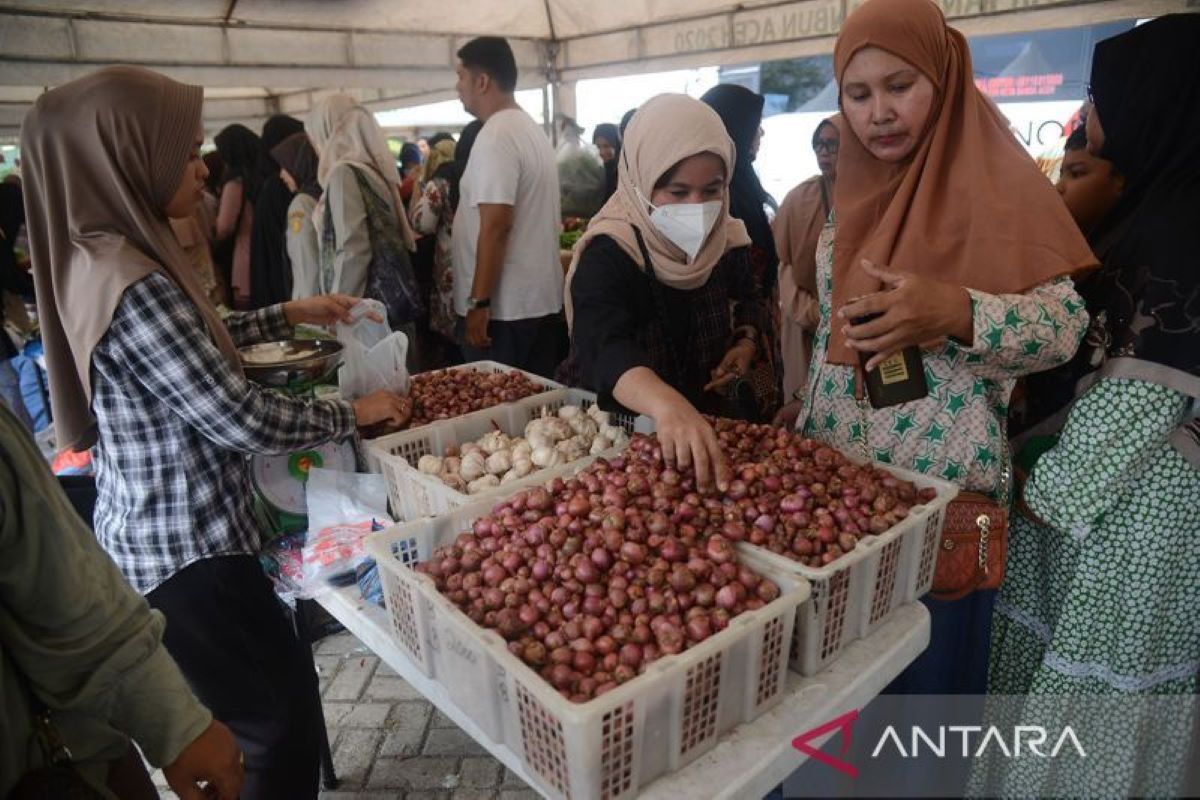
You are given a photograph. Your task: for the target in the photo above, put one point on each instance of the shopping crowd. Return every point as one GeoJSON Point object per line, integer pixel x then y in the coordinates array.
{"type": "Point", "coordinates": [1055, 328]}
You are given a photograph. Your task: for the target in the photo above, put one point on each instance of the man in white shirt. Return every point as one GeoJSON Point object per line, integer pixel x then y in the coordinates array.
{"type": "Point", "coordinates": [508, 280]}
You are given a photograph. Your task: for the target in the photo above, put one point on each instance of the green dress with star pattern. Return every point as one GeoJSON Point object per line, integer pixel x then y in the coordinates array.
{"type": "Point", "coordinates": [955, 432]}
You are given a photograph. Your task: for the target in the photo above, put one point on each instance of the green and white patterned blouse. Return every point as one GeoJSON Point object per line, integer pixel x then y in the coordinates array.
{"type": "Point", "coordinates": [955, 432]}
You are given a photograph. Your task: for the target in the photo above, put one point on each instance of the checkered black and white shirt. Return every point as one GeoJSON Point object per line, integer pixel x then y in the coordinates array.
{"type": "Point", "coordinates": [176, 423]}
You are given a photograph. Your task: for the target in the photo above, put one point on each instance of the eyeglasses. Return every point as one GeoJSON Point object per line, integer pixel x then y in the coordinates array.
{"type": "Point", "coordinates": [829, 146]}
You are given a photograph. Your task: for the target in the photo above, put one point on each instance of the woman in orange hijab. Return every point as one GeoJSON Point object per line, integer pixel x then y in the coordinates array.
{"type": "Point", "coordinates": [947, 231]}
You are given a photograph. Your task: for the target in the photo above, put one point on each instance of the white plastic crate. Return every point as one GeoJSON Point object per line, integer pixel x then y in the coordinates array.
{"type": "Point", "coordinates": [856, 593]}
{"type": "Point", "coordinates": [372, 446]}
{"type": "Point", "coordinates": [609, 747]}
{"type": "Point", "coordinates": [413, 494]}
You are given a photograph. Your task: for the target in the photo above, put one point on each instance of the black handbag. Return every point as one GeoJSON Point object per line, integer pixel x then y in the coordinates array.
{"type": "Point", "coordinates": [58, 779]}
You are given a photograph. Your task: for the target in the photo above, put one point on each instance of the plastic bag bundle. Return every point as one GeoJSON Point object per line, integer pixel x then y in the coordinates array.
{"type": "Point", "coordinates": [373, 356]}
{"type": "Point", "coordinates": [343, 507]}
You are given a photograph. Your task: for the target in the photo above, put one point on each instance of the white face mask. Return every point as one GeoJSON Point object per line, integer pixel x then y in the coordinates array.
{"type": "Point", "coordinates": [687, 225]}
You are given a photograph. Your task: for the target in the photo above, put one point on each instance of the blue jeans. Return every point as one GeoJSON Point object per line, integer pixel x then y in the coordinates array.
{"type": "Point", "coordinates": [10, 392]}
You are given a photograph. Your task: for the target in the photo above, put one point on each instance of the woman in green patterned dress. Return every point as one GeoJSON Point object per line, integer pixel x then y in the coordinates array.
{"type": "Point", "coordinates": [1102, 595]}
{"type": "Point", "coordinates": [932, 183]}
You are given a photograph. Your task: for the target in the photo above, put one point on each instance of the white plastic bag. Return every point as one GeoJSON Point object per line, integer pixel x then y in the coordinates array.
{"type": "Point", "coordinates": [373, 357]}
{"type": "Point", "coordinates": [343, 507]}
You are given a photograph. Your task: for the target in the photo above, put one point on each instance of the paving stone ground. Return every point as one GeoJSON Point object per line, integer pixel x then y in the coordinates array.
{"type": "Point", "coordinates": [389, 743]}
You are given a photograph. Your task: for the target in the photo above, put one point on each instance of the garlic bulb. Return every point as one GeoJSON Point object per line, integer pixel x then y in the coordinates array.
{"type": "Point", "coordinates": [509, 477]}
{"type": "Point", "coordinates": [612, 432]}
{"type": "Point", "coordinates": [541, 456]}
{"type": "Point", "coordinates": [473, 466]}
{"type": "Point", "coordinates": [429, 464]}
{"type": "Point", "coordinates": [539, 440]}
{"type": "Point", "coordinates": [573, 448]}
{"type": "Point", "coordinates": [451, 450]}
{"type": "Point", "coordinates": [521, 447]}
{"type": "Point", "coordinates": [522, 466]}
{"type": "Point", "coordinates": [601, 417]}
{"type": "Point", "coordinates": [599, 445]}
{"type": "Point", "coordinates": [483, 484]}
{"type": "Point", "coordinates": [570, 412]}
{"type": "Point", "coordinates": [584, 426]}
{"type": "Point", "coordinates": [494, 442]}
{"type": "Point", "coordinates": [499, 462]}
{"type": "Point", "coordinates": [451, 465]}
{"type": "Point", "coordinates": [470, 447]}
{"type": "Point", "coordinates": [454, 482]}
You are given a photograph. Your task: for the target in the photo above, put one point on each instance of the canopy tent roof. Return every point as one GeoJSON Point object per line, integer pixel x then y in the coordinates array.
{"type": "Point", "coordinates": [259, 57]}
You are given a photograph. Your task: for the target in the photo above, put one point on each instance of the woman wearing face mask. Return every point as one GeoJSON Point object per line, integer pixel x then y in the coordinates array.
{"type": "Point", "coordinates": [946, 229]}
{"type": "Point", "coordinates": [664, 310]}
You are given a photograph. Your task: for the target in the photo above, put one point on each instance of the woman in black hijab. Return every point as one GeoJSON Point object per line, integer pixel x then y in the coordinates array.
{"type": "Point", "coordinates": [741, 111]}
{"type": "Point", "coordinates": [607, 139]}
{"type": "Point", "coordinates": [1103, 577]}
{"type": "Point", "coordinates": [270, 271]}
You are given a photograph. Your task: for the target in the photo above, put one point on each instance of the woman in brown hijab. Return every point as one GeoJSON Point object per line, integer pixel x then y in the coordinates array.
{"type": "Point", "coordinates": [142, 367]}
{"type": "Point", "coordinates": [945, 228]}
{"type": "Point", "coordinates": [802, 216]}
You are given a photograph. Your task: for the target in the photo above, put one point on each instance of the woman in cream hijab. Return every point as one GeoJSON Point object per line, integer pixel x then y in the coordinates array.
{"type": "Point", "coordinates": [665, 312]}
{"type": "Point", "coordinates": [362, 223]}
{"type": "Point", "coordinates": [142, 367]}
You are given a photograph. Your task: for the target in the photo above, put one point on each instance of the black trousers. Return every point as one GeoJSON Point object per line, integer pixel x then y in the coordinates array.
{"type": "Point", "coordinates": [230, 635]}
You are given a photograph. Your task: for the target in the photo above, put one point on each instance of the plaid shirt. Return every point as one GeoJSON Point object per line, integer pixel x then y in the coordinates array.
{"type": "Point", "coordinates": [176, 422]}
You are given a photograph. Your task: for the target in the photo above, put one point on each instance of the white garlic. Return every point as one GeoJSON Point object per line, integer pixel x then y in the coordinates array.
{"type": "Point", "coordinates": [473, 466]}
{"type": "Point", "coordinates": [612, 432]}
{"type": "Point", "coordinates": [573, 448]}
{"type": "Point", "coordinates": [429, 464]}
{"type": "Point", "coordinates": [560, 428]}
{"type": "Point", "coordinates": [599, 445]}
{"type": "Point", "coordinates": [522, 466]}
{"type": "Point", "coordinates": [509, 477]}
{"type": "Point", "coordinates": [455, 482]}
{"type": "Point", "coordinates": [584, 426]}
{"type": "Point", "coordinates": [538, 440]}
{"type": "Point", "coordinates": [601, 417]}
{"type": "Point", "coordinates": [541, 456]}
{"type": "Point", "coordinates": [570, 412]}
{"type": "Point", "coordinates": [499, 462]}
{"type": "Point", "coordinates": [482, 484]}
{"type": "Point", "coordinates": [494, 442]}
{"type": "Point", "coordinates": [521, 447]}
{"type": "Point", "coordinates": [451, 465]}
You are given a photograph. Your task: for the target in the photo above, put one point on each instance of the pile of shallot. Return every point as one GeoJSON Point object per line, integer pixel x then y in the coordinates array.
{"type": "Point", "coordinates": [798, 497]}
{"type": "Point", "coordinates": [448, 393]}
{"type": "Point", "coordinates": [550, 440]}
{"type": "Point", "coordinates": [590, 581]}
{"type": "Point", "coordinates": [593, 578]}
